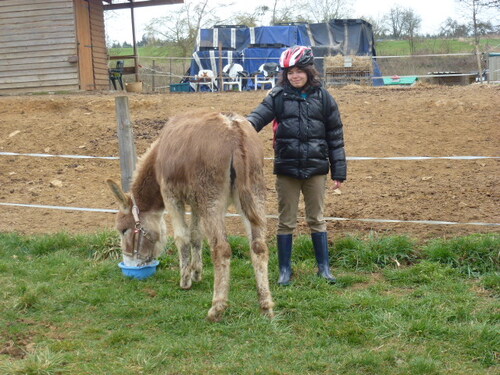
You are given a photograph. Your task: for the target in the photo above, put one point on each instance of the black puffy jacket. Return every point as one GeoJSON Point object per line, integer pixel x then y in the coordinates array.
{"type": "Point", "coordinates": [306, 144]}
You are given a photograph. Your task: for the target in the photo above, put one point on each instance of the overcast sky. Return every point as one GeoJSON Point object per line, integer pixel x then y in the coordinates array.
{"type": "Point", "coordinates": [432, 12]}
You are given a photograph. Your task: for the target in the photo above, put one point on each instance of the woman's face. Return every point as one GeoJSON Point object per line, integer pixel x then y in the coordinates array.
{"type": "Point", "coordinates": [297, 77]}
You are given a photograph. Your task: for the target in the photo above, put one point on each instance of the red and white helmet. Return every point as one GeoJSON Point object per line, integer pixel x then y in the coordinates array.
{"type": "Point", "coordinates": [296, 56]}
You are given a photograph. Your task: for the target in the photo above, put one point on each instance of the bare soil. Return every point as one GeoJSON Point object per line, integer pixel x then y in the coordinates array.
{"type": "Point", "coordinates": [379, 122]}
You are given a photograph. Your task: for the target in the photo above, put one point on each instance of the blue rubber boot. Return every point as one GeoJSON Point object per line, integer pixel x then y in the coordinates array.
{"type": "Point", "coordinates": [285, 258]}
{"type": "Point", "coordinates": [320, 244]}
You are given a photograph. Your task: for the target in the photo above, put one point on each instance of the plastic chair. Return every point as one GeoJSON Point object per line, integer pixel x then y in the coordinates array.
{"type": "Point", "coordinates": [267, 74]}
{"type": "Point", "coordinates": [233, 76]}
{"type": "Point", "coordinates": [205, 77]}
{"type": "Point", "coordinates": [116, 74]}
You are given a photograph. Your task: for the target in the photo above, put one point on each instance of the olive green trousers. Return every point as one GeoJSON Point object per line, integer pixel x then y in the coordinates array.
{"type": "Point", "coordinates": [313, 190]}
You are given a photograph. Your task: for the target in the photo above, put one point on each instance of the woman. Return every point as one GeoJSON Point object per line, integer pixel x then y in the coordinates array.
{"type": "Point", "coordinates": [309, 142]}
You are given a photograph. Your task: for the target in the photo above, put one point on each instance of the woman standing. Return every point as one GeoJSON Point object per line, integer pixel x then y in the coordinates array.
{"type": "Point", "coordinates": [308, 143]}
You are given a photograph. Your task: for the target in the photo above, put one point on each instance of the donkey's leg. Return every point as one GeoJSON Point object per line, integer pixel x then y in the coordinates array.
{"type": "Point", "coordinates": [176, 211]}
{"type": "Point", "coordinates": [259, 252]}
{"type": "Point", "coordinates": [260, 259]}
{"type": "Point", "coordinates": [213, 226]}
{"type": "Point", "coordinates": [196, 240]}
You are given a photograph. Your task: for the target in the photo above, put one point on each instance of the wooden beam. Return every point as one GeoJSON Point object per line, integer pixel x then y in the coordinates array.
{"type": "Point", "coordinates": [123, 57]}
{"type": "Point", "coordinates": [141, 3]}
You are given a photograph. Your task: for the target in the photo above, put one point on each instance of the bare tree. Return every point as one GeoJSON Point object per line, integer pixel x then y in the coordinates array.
{"type": "Point", "coordinates": [286, 11]}
{"type": "Point", "coordinates": [273, 20]}
{"type": "Point", "coordinates": [404, 24]}
{"type": "Point", "coordinates": [411, 23]}
{"type": "Point", "coordinates": [378, 27]}
{"type": "Point", "coordinates": [453, 29]}
{"type": "Point", "coordinates": [181, 28]}
{"type": "Point", "coordinates": [250, 19]}
{"type": "Point", "coordinates": [394, 21]}
{"type": "Point", "coordinates": [475, 9]}
{"type": "Point", "coordinates": [492, 3]}
{"type": "Point", "coordinates": [324, 10]}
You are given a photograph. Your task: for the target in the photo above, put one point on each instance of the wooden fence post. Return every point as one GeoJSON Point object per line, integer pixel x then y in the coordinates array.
{"type": "Point", "coordinates": [126, 141]}
{"type": "Point", "coordinates": [220, 67]}
{"type": "Point", "coordinates": [153, 77]}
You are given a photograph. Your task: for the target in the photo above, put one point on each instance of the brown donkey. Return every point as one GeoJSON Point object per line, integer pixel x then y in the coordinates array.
{"type": "Point", "coordinates": [207, 161]}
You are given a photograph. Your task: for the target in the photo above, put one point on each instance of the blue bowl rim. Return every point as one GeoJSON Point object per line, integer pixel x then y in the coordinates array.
{"type": "Point", "coordinates": [124, 267]}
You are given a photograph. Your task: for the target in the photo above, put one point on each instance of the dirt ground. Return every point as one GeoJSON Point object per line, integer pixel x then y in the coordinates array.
{"type": "Point", "coordinates": [379, 122]}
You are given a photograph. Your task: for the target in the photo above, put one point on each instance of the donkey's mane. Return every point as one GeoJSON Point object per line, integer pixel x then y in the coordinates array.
{"type": "Point", "coordinates": [145, 187]}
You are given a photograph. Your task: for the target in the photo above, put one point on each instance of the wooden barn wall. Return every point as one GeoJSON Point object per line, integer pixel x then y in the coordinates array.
{"type": "Point", "coordinates": [37, 38]}
{"type": "Point", "coordinates": [99, 51]}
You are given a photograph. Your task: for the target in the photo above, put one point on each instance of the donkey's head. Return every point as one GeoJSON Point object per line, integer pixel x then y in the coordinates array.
{"type": "Point", "coordinates": [143, 234]}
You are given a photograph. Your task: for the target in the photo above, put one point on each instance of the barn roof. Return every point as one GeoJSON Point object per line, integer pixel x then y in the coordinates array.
{"type": "Point", "coordinates": [127, 4]}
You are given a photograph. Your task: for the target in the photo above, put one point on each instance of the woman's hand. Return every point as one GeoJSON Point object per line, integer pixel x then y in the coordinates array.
{"type": "Point", "coordinates": [337, 184]}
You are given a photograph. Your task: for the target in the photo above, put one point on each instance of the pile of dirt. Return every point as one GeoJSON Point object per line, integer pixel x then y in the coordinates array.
{"type": "Point", "coordinates": [379, 122]}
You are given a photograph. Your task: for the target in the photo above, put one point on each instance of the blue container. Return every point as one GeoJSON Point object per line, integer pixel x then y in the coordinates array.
{"type": "Point", "coordinates": [180, 87]}
{"type": "Point", "coordinates": [139, 273]}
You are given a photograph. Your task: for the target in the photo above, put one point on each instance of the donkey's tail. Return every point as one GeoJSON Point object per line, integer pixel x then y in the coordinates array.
{"type": "Point", "coordinates": [248, 179]}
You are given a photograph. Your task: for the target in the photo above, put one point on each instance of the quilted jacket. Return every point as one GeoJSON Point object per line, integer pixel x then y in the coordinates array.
{"type": "Point", "coordinates": [306, 143]}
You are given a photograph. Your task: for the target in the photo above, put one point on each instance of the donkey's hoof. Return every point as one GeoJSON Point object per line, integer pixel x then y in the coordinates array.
{"type": "Point", "coordinates": [216, 311]}
{"type": "Point", "coordinates": [196, 276]}
{"type": "Point", "coordinates": [268, 313]}
{"type": "Point", "coordinates": [186, 283]}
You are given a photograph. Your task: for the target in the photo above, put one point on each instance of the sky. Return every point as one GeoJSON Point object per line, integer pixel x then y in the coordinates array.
{"type": "Point", "coordinates": [432, 12]}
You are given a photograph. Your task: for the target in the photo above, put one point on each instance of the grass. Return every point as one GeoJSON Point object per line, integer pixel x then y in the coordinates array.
{"type": "Point", "coordinates": [383, 47]}
{"type": "Point", "coordinates": [147, 54]}
{"type": "Point", "coordinates": [150, 51]}
{"type": "Point", "coordinates": [472, 255]}
{"type": "Point", "coordinates": [400, 307]}
{"type": "Point", "coordinates": [435, 46]}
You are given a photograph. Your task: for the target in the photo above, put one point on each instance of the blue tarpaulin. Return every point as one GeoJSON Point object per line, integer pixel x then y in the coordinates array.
{"type": "Point", "coordinates": [253, 46]}
{"type": "Point", "coordinates": [239, 38]}
{"type": "Point", "coordinates": [231, 38]}
{"type": "Point", "coordinates": [279, 36]}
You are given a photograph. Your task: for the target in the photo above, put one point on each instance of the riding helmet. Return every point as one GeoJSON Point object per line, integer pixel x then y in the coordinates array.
{"type": "Point", "coordinates": [298, 56]}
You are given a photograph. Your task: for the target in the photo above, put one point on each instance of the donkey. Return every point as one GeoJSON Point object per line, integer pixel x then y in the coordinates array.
{"type": "Point", "coordinates": [205, 160]}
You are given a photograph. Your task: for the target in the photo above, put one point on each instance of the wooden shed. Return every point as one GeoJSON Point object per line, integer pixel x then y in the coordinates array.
{"type": "Point", "coordinates": [57, 45]}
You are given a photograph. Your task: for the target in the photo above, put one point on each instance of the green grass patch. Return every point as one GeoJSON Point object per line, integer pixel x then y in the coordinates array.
{"type": "Point", "coordinates": [433, 46]}
{"type": "Point", "coordinates": [374, 253]}
{"type": "Point", "coordinates": [67, 309]}
{"type": "Point", "coordinates": [492, 281]}
{"type": "Point", "coordinates": [146, 54]}
{"type": "Point", "coordinates": [383, 47]}
{"type": "Point", "coordinates": [472, 255]}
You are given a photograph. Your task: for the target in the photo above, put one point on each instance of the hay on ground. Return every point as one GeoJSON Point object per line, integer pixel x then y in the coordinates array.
{"type": "Point", "coordinates": [336, 63]}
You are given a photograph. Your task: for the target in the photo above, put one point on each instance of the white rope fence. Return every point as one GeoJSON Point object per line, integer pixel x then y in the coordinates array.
{"type": "Point", "coordinates": [328, 218]}
{"type": "Point", "coordinates": [429, 222]}
{"type": "Point", "coordinates": [348, 158]}
{"type": "Point", "coordinates": [162, 73]}
{"type": "Point", "coordinates": [59, 156]}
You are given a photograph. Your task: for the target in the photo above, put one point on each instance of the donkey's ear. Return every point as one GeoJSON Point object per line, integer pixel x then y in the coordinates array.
{"type": "Point", "coordinates": [123, 200]}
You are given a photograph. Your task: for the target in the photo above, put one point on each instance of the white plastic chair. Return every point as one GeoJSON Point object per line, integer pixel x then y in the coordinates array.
{"type": "Point", "coordinates": [205, 77]}
{"type": "Point", "coordinates": [267, 74]}
{"type": "Point", "coordinates": [233, 76]}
